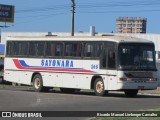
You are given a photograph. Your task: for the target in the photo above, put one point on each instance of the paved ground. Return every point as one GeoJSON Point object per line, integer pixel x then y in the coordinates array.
{"type": "Point", "coordinates": [151, 92]}
{"type": "Point", "coordinates": [143, 92]}
{"type": "Point", "coordinates": [22, 98]}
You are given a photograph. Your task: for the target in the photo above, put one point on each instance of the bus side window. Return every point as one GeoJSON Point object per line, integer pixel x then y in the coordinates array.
{"type": "Point", "coordinates": [32, 49]}
{"type": "Point", "coordinates": [77, 49]}
{"type": "Point", "coordinates": [111, 59]}
{"type": "Point", "coordinates": [58, 49]}
{"type": "Point", "coordinates": [103, 59]}
{"type": "Point", "coordinates": [50, 50]}
{"type": "Point", "coordinates": [68, 49]}
{"type": "Point", "coordinates": [93, 49]}
{"type": "Point", "coordinates": [73, 49]}
{"type": "Point", "coordinates": [54, 49]}
{"type": "Point", "coordinates": [9, 50]}
{"type": "Point", "coordinates": [88, 50]}
{"type": "Point", "coordinates": [16, 48]}
{"type": "Point", "coordinates": [40, 49]}
{"type": "Point", "coordinates": [24, 49]}
{"type": "Point", "coordinates": [98, 47]}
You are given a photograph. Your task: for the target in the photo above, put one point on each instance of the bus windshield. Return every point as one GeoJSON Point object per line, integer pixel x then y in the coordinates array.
{"type": "Point", "coordinates": [136, 56]}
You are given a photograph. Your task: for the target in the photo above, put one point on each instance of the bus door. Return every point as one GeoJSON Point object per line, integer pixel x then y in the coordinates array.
{"type": "Point", "coordinates": [111, 67]}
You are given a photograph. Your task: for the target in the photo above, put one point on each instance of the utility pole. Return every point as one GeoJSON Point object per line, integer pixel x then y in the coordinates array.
{"type": "Point", "coordinates": [72, 17]}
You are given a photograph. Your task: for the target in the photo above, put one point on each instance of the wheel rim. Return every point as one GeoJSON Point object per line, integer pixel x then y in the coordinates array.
{"type": "Point", "coordinates": [99, 86]}
{"type": "Point", "coordinates": [37, 83]}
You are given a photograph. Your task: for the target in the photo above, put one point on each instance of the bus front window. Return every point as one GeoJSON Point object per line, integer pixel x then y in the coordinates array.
{"type": "Point", "coordinates": [134, 56]}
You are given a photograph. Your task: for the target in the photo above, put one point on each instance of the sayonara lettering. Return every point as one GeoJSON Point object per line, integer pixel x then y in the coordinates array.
{"type": "Point", "coordinates": [57, 63]}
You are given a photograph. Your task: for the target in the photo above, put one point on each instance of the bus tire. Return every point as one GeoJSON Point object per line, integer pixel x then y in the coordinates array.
{"type": "Point", "coordinates": [131, 93]}
{"type": "Point", "coordinates": [67, 90]}
{"type": "Point", "coordinates": [38, 83]}
{"type": "Point", "coordinates": [99, 87]}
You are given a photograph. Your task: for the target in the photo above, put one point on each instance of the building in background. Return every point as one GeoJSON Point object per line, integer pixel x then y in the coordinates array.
{"type": "Point", "coordinates": [131, 25]}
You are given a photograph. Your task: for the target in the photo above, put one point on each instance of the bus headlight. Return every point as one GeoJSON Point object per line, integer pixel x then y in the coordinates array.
{"type": "Point", "coordinates": [153, 79]}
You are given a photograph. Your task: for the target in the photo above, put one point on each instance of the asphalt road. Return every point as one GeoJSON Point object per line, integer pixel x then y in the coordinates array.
{"type": "Point", "coordinates": [25, 99]}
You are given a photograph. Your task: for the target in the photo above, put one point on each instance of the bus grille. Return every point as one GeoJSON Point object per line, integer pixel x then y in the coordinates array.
{"type": "Point", "coordinates": [140, 74]}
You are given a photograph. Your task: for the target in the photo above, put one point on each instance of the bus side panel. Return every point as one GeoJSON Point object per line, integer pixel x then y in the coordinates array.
{"type": "Point", "coordinates": [26, 77]}
{"type": "Point", "coordinates": [112, 79]}
{"type": "Point", "coordinates": [79, 74]}
{"type": "Point", "coordinates": [84, 81]}
{"type": "Point", "coordinates": [48, 79]}
{"type": "Point", "coordinates": [70, 78]}
{"type": "Point", "coordinates": [13, 74]}
{"type": "Point", "coordinates": [52, 79]}
{"type": "Point", "coordinates": [81, 81]}
{"type": "Point", "coordinates": [10, 71]}
{"type": "Point", "coordinates": [92, 68]}
{"type": "Point", "coordinates": [8, 76]}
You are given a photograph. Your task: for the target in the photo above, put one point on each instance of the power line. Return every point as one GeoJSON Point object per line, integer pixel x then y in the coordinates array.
{"type": "Point", "coordinates": [116, 5]}
{"type": "Point", "coordinates": [41, 18]}
{"type": "Point", "coordinates": [60, 7]}
{"type": "Point", "coordinates": [43, 15]}
{"type": "Point", "coordinates": [89, 6]}
{"type": "Point", "coordinates": [120, 11]}
{"type": "Point", "coordinates": [84, 8]}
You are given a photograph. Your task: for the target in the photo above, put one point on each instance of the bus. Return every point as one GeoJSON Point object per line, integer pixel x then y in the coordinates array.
{"type": "Point", "coordinates": [98, 63]}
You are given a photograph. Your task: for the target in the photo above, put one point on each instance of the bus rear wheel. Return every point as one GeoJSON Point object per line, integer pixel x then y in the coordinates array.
{"type": "Point", "coordinates": [131, 93]}
{"type": "Point", "coordinates": [38, 83]}
{"type": "Point", "coordinates": [99, 87]}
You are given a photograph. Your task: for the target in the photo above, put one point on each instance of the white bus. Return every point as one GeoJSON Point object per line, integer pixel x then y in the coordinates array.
{"type": "Point", "coordinates": [101, 63]}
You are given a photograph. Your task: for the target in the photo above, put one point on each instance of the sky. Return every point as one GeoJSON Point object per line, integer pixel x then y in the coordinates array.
{"type": "Point", "coordinates": [55, 15]}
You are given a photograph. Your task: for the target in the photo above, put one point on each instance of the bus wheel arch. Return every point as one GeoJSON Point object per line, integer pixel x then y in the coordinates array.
{"type": "Point", "coordinates": [35, 73]}
{"type": "Point", "coordinates": [37, 82]}
{"type": "Point", "coordinates": [93, 81]}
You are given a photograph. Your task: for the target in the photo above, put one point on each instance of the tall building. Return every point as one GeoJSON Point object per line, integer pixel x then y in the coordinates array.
{"type": "Point", "coordinates": [131, 25]}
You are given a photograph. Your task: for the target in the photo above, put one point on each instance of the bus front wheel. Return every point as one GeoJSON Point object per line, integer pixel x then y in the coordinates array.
{"type": "Point", "coordinates": [99, 87]}
{"type": "Point", "coordinates": [38, 83]}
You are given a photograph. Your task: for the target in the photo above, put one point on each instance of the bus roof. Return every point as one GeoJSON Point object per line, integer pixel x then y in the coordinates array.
{"type": "Point", "coordinates": [113, 38]}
